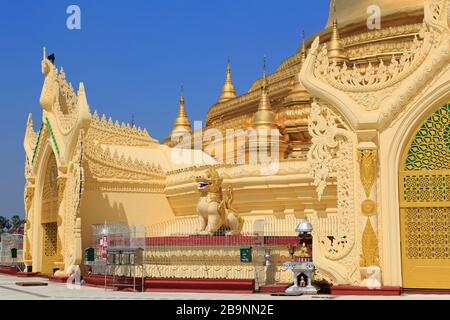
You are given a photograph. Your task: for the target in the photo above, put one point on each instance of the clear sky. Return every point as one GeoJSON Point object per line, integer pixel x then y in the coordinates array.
{"type": "Point", "coordinates": [132, 56]}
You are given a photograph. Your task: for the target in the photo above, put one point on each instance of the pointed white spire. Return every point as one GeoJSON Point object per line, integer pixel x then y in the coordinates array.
{"type": "Point", "coordinates": [83, 106]}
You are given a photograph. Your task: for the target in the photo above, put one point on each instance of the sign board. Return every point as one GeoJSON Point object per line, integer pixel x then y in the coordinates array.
{"type": "Point", "coordinates": [246, 254]}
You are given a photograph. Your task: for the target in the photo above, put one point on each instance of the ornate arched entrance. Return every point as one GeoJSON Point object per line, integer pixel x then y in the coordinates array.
{"type": "Point", "coordinates": [424, 183]}
{"type": "Point", "coordinates": [49, 214]}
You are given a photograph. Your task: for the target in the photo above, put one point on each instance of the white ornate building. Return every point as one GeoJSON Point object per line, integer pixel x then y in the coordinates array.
{"type": "Point", "coordinates": [364, 117]}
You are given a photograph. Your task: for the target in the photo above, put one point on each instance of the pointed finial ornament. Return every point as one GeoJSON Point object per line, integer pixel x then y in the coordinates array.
{"type": "Point", "coordinates": [45, 66]}
{"type": "Point", "coordinates": [182, 95]}
{"type": "Point", "coordinates": [265, 66]}
{"type": "Point", "coordinates": [182, 122]}
{"type": "Point", "coordinates": [264, 117]}
{"type": "Point", "coordinates": [264, 82]}
{"type": "Point", "coordinates": [303, 50]}
{"type": "Point", "coordinates": [336, 52]}
{"type": "Point", "coordinates": [298, 92]}
{"type": "Point", "coordinates": [228, 91]}
{"type": "Point", "coordinates": [84, 111]}
{"type": "Point", "coordinates": [30, 120]}
{"type": "Point", "coordinates": [81, 89]}
{"type": "Point", "coordinates": [334, 12]}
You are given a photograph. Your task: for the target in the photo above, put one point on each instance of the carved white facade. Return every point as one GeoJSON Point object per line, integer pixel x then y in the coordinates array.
{"type": "Point", "coordinates": [382, 101]}
{"type": "Point", "coordinates": [347, 124]}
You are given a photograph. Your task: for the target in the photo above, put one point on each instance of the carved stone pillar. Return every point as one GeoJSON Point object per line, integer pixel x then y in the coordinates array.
{"type": "Point", "coordinates": [61, 184]}
{"type": "Point", "coordinates": [78, 251]}
{"type": "Point", "coordinates": [367, 158]}
{"type": "Point", "coordinates": [28, 201]}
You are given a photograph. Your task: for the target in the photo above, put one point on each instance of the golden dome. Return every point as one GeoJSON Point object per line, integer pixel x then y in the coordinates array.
{"type": "Point", "coordinates": [348, 11]}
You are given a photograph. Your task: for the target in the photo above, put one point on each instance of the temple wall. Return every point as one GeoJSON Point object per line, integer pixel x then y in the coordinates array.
{"type": "Point", "coordinates": [133, 208]}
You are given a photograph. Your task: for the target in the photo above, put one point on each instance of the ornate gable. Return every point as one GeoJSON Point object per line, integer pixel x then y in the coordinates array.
{"type": "Point", "coordinates": [372, 92]}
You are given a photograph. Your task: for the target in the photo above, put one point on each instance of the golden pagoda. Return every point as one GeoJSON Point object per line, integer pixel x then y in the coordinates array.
{"type": "Point", "coordinates": [264, 118]}
{"type": "Point", "coordinates": [336, 51]}
{"type": "Point", "coordinates": [364, 116]}
{"type": "Point", "coordinates": [182, 122]}
{"type": "Point", "coordinates": [181, 126]}
{"type": "Point", "coordinates": [228, 91]}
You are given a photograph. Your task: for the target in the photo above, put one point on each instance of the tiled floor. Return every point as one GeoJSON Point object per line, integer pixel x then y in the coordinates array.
{"type": "Point", "coordinates": [59, 291]}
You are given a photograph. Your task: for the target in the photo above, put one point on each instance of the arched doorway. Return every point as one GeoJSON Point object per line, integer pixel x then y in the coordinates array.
{"type": "Point", "coordinates": [49, 214]}
{"type": "Point", "coordinates": [424, 182]}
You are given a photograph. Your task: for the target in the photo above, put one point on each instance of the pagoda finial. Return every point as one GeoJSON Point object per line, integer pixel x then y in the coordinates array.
{"type": "Point", "coordinates": [264, 117]}
{"type": "Point", "coordinates": [303, 50]}
{"type": "Point", "coordinates": [228, 91]}
{"type": "Point", "coordinates": [334, 11]}
{"type": "Point", "coordinates": [82, 99]}
{"type": "Point", "coordinates": [264, 82]}
{"type": "Point", "coordinates": [336, 52]}
{"type": "Point", "coordinates": [182, 111]}
{"type": "Point", "coordinates": [265, 66]}
{"type": "Point", "coordinates": [30, 120]}
{"type": "Point", "coordinates": [45, 65]}
{"type": "Point", "coordinates": [182, 122]}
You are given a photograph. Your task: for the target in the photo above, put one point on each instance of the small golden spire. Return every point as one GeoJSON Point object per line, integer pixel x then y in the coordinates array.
{"type": "Point", "coordinates": [303, 50]}
{"type": "Point", "coordinates": [264, 84]}
{"type": "Point", "coordinates": [264, 117]}
{"type": "Point", "coordinates": [228, 91]}
{"type": "Point", "coordinates": [182, 122]}
{"type": "Point", "coordinates": [297, 92]}
{"type": "Point", "coordinates": [336, 52]}
{"type": "Point", "coordinates": [334, 11]}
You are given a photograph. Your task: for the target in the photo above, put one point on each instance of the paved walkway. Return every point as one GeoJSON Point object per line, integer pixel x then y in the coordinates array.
{"type": "Point", "coordinates": [59, 291]}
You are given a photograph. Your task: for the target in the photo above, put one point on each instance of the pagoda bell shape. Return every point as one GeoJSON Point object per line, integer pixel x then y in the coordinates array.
{"type": "Point", "coordinates": [336, 52]}
{"type": "Point", "coordinates": [265, 124]}
{"type": "Point", "coordinates": [228, 91]}
{"type": "Point", "coordinates": [182, 125]}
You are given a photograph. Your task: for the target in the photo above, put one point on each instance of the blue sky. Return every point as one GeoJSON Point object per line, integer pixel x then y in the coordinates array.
{"type": "Point", "coordinates": [133, 55]}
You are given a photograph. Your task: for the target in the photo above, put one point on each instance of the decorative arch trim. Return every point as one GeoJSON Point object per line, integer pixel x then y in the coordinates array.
{"type": "Point", "coordinates": [46, 152]}
{"type": "Point", "coordinates": [393, 145]}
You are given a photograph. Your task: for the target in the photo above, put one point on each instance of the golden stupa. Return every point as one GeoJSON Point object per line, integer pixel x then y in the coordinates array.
{"type": "Point", "coordinates": [362, 119]}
